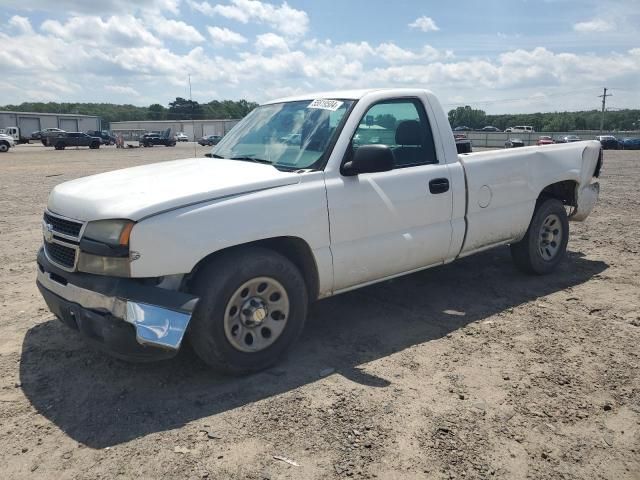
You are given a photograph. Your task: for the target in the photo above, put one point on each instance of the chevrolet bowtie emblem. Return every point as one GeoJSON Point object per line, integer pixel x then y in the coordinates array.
{"type": "Point", "coordinates": [47, 231]}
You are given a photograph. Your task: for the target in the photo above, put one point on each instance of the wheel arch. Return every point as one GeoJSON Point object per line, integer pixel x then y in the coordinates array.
{"type": "Point", "coordinates": [296, 249]}
{"type": "Point", "coordinates": [564, 190]}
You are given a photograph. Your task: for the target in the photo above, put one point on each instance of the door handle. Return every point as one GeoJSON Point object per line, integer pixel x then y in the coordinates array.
{"type": "Point", "coordinates": [439, 185]}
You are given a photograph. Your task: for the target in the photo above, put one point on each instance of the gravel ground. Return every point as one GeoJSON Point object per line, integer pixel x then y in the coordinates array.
{"type": "Point", "coordinates": [470, 370]}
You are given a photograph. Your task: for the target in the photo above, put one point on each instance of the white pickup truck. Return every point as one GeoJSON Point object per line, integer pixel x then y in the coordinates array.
{"type": "Point", "coordinates": [229, 250]}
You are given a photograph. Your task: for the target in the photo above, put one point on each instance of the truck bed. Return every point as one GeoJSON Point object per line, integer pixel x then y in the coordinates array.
{"type": "Point", "coordinates": [503, 185]}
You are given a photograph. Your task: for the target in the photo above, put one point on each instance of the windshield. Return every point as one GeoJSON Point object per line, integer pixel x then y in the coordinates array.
{"type": "Point", "coordinates": [291, 135]}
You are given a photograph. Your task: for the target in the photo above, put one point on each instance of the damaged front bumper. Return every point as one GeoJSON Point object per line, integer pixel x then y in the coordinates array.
{"type": "Point", "coordinates": [121, 316]}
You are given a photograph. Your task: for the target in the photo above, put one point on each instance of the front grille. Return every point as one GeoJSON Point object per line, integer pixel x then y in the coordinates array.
{"type": "Point", "coordinates": [60, 254]}
{"type": "Point", "coordinates": [63, 226]}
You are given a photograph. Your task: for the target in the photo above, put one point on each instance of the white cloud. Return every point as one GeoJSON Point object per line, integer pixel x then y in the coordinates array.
{"type": "Point", "coordinates": [597, 25]}
{"type": "Point", "coordinates": [20, 24]}
{"type": "Point", "coordinates": [124, 90]}
{"type": "Point", "coordinates": [83, 6]}
{"type": "Point", "coordinates": [116, 31]}
{"type": "Point", "coordinates": [271, 41]}
{"type": "Point", "coordinates": [426, 24]}
{"type": "Point", "coordinates": [112, 58]}
{"type": "Point", "coordinates": [226, 36]}
{"type": "Point", "coordinates": [392, 53]}
{"type": "Point", "coordinates": [285, 19]}
{"type": "Point", "coordinates": [176, 30]}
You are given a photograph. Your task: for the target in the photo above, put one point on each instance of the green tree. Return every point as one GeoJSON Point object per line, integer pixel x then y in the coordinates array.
{"type": "Point", "coordinates": [468, 117]}
{"type": "Point", "coordinates": [183, 109]}
{"type": "Point", "coordinates": [157, 112]}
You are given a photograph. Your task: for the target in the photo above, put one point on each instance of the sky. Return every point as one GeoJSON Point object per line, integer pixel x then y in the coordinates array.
{"type": "Point", "coordinates": [502, 56]}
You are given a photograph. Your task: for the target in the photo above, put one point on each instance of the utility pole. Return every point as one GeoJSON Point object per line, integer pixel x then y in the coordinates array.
{"type": "Point", "coordinates": [604, 101]}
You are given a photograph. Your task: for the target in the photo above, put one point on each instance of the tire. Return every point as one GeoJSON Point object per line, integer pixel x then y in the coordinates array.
{"type": "Point", "coordinates": [545, 244]}
{"type": "Point", "coordinates": [4, 147]}
{"type": "Point", "coordinates": [59, 146]}
{"type": "Point", "coordinates": [94, 146]}
{"type": "Point", "coordinates": [221, 337]}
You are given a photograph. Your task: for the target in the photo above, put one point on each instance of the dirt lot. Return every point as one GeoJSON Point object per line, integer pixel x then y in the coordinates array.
{"type": "Point", "coordinates": [471, 370]}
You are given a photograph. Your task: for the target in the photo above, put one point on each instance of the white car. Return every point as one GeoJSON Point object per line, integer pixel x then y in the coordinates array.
{"type": "Point", "coordinates": [520, 129]}
{"type": "Point", "coordinates": [182, 137]}
{"type": "Point", "coordinates": [6, 142]}
{"type": "Point", "coordinates": [230, 250]}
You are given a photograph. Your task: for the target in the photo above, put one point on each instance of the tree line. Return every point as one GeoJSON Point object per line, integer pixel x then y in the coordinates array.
{"type": "Point", "coordinates": [627, 119]}
{"type": "Point", "coordinates": [179, 109]}
{"type": "Point", "coordinates": [184, 109]}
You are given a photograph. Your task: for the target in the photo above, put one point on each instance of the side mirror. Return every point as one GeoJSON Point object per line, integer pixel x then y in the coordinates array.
{"type": "Point", "coordinates": [208, 155]}
{"type": "Point", "coordinates": [369, 159]}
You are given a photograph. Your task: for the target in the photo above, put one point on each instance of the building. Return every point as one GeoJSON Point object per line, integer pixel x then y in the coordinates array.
{"type": "Point", "coordinates": [194, 129]}
{"type": "Point", "coordinates": [29, 122]}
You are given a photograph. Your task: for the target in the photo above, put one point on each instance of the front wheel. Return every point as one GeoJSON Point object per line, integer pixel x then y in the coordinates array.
{"type": "Point", "coordinates": [252, 308]}
{"type": "Point", "coordinates": [545, 243]}
{"type": "Point", "coordinates": [4, 147]}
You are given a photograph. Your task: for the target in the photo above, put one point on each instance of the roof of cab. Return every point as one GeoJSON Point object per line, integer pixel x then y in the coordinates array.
{"type": "Point", "coordinates": [345, 94]}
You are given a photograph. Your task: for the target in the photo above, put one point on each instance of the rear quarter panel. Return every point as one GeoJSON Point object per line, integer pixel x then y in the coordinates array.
{"type": "Point", "coordinates": [503, 186]}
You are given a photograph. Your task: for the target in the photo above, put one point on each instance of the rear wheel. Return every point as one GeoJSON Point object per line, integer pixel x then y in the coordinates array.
{"type": "Point", "coordinates": [545, 243]}
{"type": "Point", "coordinates": [59, 146]}
{"type": "Point", "coordinates": [253, 304]}
{"type": "Point", "coordinates": [94, 145]}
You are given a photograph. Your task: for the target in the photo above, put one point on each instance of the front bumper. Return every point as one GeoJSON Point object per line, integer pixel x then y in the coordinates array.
{"type": "Point", "coordinates": [121, 316]}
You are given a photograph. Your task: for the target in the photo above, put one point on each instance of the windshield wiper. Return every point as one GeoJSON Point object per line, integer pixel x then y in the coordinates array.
{"type": "Point", "coordinates": [247, 158]}
{"type": "Point", "coordinates": [215, 155]}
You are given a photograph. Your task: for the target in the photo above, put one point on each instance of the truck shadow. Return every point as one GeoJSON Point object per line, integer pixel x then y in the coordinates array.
{"type": "Point", "coordinates": [101, 402]}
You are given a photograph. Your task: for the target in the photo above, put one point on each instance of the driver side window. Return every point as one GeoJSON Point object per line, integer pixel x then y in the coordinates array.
{"type": "Point", "coordinates": [403, 126]}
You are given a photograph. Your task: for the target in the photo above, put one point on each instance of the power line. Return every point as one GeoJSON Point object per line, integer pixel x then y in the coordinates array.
{"type": "Point", "coordinates": [604, 101]}
{"type": "Point", "coordinates": [511, 100]}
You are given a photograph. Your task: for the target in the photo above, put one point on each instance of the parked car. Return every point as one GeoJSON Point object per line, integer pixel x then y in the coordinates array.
{"type": "Point", "coordinates": [210, 140]}
{"type": "Point", "coordinates": [567, 139]}
{"type": "Point", "coordinates": [6, 142]}
{"type": "Point", "coordinates": [462, 128]}
{"type": "Point", "coordinates": [182, 137]}
{"type": "Point", "coordinates": [630, 143]}
{"type": "Point", "coordinates": [158, 138]}
{"type": "Point", "coordinates": [609, 142]}
{"type": "Point", "coordinates": [75, 139]}
{"type": "Point", "coordinates": [489, 128]}
{"type": "Point", "coordinates": [38, 135]}
{"type": "Point", "coordinates": [231, 250]}
{"type": "Point", "coordinates": [48, 134]}
{"type": "Point", "coordinates": [545, 140]}
{"type": "Point", "coordinates": [513, 143]}
{"type": "Point", "coordinates": [463, 144]}
{"type": "Point", "coordinates": [520, 129]}
{"type": "Point", "coordinates": [104, 136]}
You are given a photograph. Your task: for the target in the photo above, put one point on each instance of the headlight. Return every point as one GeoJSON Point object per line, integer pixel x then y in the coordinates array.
{"type": "Point", "coordinates": [104, 248]}
{"type": "Point", "coordinates": [111, 266]}
{"type": "Point", "coordinates": [114, 233]}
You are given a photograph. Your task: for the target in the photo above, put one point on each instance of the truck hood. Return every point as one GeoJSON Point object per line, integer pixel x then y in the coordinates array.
{"type": "Point", "coordinates": [138, 192]}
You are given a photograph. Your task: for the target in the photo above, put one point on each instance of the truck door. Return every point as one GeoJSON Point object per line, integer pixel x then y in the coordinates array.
{"type": "Point", "coordinates": [387, 223]}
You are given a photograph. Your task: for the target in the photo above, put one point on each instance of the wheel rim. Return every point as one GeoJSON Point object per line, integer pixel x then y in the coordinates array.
{"type": "Point", "coordinates": [256, 314]}
{"type": "Point", "coordinates": [550, 237]}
